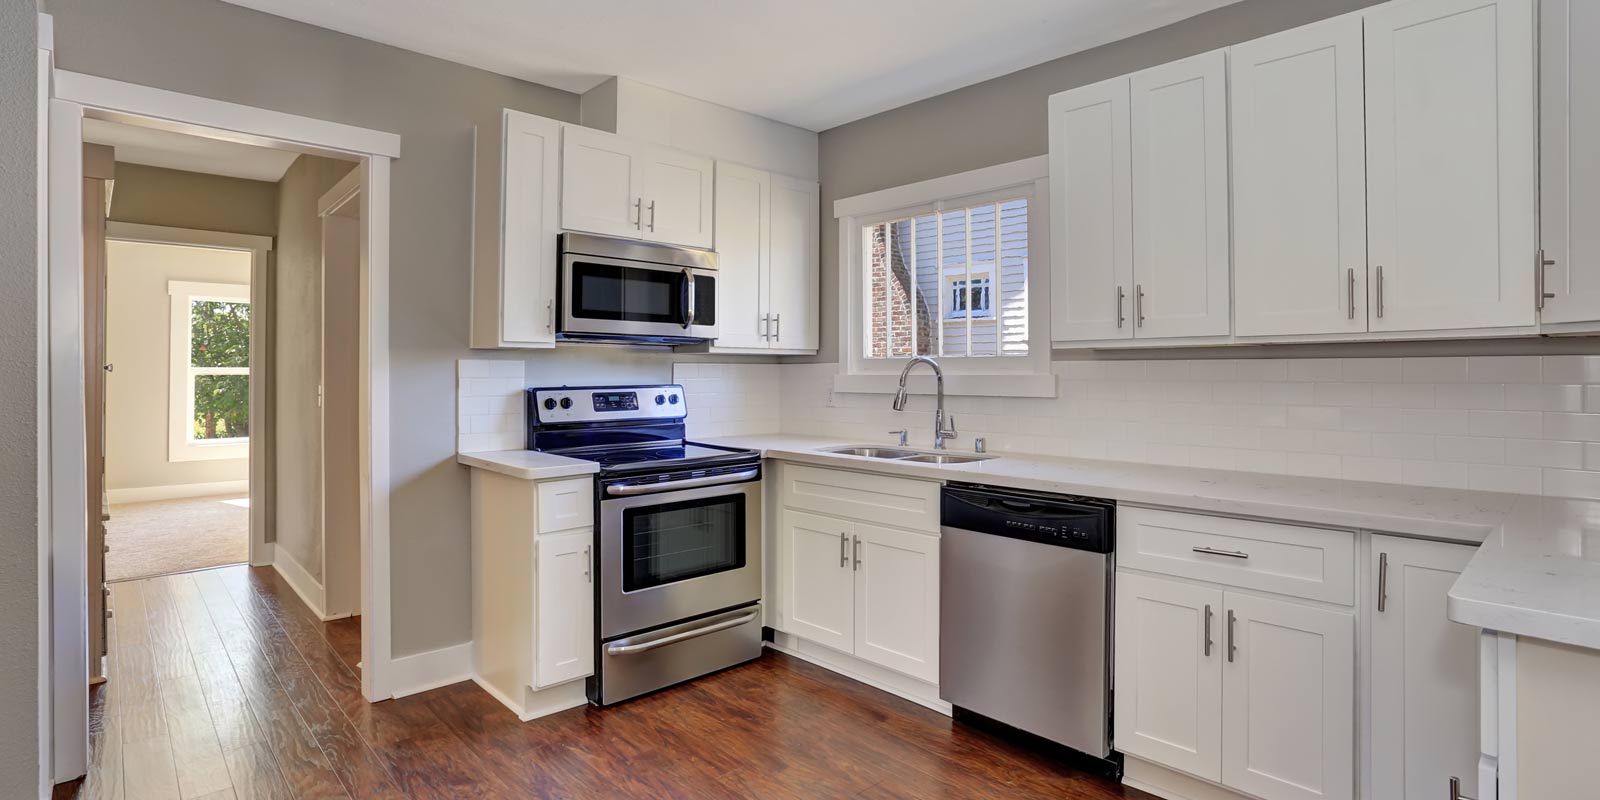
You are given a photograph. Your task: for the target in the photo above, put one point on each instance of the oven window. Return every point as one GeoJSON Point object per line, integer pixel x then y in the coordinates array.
{"type": "Point", "coordinates": [677, 541]}
{"type": "Point", "coordinates": [626, 294]}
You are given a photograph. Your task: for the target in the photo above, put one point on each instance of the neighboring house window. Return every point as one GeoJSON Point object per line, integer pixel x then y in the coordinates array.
{"type": "Point", "coordinates": [210, 381]}
{"type": "Point", "coordinates": [944, 269]}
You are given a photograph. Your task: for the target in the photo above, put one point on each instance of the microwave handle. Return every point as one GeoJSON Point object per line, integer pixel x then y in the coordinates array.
{"type": "Point", "coordinates": [688, 301]}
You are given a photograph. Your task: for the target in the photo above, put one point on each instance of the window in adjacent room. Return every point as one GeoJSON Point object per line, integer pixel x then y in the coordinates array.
{"type": "Point", "coordinates": [210, 381]}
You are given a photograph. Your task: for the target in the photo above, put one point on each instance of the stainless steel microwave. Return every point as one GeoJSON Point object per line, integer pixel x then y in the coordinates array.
{"type": "Point", "coordinates": [622, 290]}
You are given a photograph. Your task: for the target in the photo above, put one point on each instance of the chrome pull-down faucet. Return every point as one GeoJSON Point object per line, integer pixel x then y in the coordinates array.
{"type": "Point", "coordinates": [944, 428]}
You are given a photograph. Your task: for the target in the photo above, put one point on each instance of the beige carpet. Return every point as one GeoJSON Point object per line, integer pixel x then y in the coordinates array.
{"type": "Point", "coordinates": [164, 536]}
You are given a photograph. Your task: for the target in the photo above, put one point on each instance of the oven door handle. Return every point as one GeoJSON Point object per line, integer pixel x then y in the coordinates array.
{"type": "Point", "coordinates": [630, 489]}
{"type": "Point", "coordinates": [642, 647]}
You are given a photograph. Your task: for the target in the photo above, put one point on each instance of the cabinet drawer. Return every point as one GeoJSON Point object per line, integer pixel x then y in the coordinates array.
{"type": "Point", "coordinates": [566, 504]}
{"type": "Point", "coordinates": [1314, 563]}
{"type": "Point", "coordinates": [902, 503]}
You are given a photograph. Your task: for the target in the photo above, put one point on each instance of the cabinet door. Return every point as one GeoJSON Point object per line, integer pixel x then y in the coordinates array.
{"type": "Point", "coordinates": [1091, 217]}
{"type": "Point", "coordinates": [599, 191]}
{"type": "Point", "coordinates": [528, 228]}
{"type": "Point", "coordinates": [1569, 179]}
{"type": "Point", "coordinates": [1299, 181]}
{"type": "Point", "coordinates": [1450, 163]}
{"type": "Point", "coordinates": [815, 581]}
{"type": "Point", "coordinates": [1180, 198]}
{"type": "Point", "coordinates": [677, 190]}
{"type": "Point", "coordinates": [566, 608]}
{"type": "Point", "coordinates": [1424, 714]}
{"type": "Point", "coordinates": [744, 205]}
{"type": "Point", "coordinates": [1168, 669]}
{"type": "Point", "coordinates": [793, 295]}
{"type": "Point", "coordinates": [1288, 711]}
{"type": "Point", "coordinates": [897, 600]}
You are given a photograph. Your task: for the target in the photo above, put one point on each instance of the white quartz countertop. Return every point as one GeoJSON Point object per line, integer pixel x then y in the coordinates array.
{"type": "Point", "coordinates": [528, 464]}
{"type": "Point", "coordinates": [1536, 573]}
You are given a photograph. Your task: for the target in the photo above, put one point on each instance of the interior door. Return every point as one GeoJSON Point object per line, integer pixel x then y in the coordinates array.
{"type": "Point", "coordinates": [897, 600]}
{"type": "Point", "coordinates": [792, 291]}
{"type": "Point", "coordinates": [1091, 216]}
{"type": "Point", "coordinates": [599, 190]}
{"type": "Point", "coordinates": [1299, 181]}
{"type": "Point", "coordinates": [743, 234]}
{"type": "Point", "coordinates": [1451, 166]}
{"type": "Point", "coordinates": [816, 582]}
{"type": "Point", "coordinates": [1180, 198]}
{"type": "Point", "coordinates": [98, 169]}
{"type": "Point", "coordinates": [1288, 685]}
{"type": "Point", "coordinates": [1424, 713]}
{"type": "Point", "coordinates": [566, 607]}
{"type": "Point", "coordinates": [677, 190]}
{"type": "Point", "coordinates": [1168, 668]}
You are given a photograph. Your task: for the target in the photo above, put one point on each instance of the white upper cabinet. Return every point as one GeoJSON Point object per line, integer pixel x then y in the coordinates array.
{"type": "Point", "coordinates": [793, 295]}
{"type": "Point", "coordinates": [1299, 181]}
{"type": "Point", "coordinates": [744, 235]}
{"type": "Point", "coordinates": [1424, 706]}
{"type": "Point", "coordinates": [620, 187]}
{"type": "Point", "coordinates": [1180, 198]}
{"type": "Point", "coordinates": [1450, 163]}
{"type": "Point", "coordinates": [1569, 108]}
{"type": "Point", "coordinates": [1092, 213]}
{"type": "Point", "coordinates": [514, 296]}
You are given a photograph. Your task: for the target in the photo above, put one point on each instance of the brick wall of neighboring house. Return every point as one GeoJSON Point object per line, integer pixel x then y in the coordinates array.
{"type": "Point", "coordinates": [892, 297]}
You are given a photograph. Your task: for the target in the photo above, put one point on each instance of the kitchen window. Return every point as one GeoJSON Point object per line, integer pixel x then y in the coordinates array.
{"type": "Point", "coordinates": [209, 397]}
{"type": "Point", "coordinates": [944, 269]}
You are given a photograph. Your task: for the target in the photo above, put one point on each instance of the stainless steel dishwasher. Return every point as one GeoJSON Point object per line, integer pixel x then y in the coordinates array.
{"type": "Point", "coordinates": [1025, 601]}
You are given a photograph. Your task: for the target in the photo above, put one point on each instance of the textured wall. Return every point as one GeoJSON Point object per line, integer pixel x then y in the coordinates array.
{"type": "Point", "coordinates": [178, 199]}
{"type": "Point", "coordinates": [19, 424]}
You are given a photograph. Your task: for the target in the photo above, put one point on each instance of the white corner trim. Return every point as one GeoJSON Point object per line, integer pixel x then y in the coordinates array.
{"type": "Point", "coordinates": [1016, 384]}
{"type": "Point", "coordinates": [300, 580]}
{"type": "Point", "coordinates": [541, 702]}
{"type": "Point", "coordinates": [145, 494]}
{"type": "Point", "coordinates": [246, 124]}
{"type": "Point", "coordinates": [982, 179]}
{"type": "Point", "coordinates": [164, 234]}
{"type": "Point", "coordinates": [412, 674]}
{"type": "Point", "coordinates": [47, 32]}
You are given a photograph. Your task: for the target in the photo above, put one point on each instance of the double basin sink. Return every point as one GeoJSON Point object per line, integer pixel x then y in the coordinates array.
{"type": "Point", "coordinates": [908, 456]}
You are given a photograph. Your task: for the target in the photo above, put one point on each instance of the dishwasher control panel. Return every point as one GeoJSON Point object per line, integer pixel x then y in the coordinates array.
{"type": "Point", "coordinates": [1081, 523]}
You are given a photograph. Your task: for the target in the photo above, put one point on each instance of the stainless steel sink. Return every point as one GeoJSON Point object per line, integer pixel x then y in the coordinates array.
{"type": "Point", "coordinates": [937, 458]}
{"type": "Point", "coordinates": [871, 452]}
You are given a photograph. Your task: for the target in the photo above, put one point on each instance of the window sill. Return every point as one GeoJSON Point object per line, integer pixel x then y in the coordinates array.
{"type": "Point", "coordinates": [208, 452]}
{"type": "Point", "coordinates": [1003, 384]}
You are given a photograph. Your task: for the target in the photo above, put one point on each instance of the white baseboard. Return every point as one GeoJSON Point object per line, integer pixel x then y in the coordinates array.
{"type": "Point", "coordinates": [542, 702]}
{"type": "Point", "coordinates": [300, 580]}
{"type": "Point", "coordinates": [145, 494]}
{"type": "Point", "coordinates": [904, 686]}
{"type": "Point", "coordinates": [1171, 784]}
{"type": "Point", "coordinates": [412, 674]}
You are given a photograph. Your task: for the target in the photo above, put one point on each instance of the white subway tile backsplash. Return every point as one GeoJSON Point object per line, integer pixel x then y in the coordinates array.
{"type": "Point", "coordinates": [1486, 396]}
{"type": "Point", "coordinates": [1583, 427]}
{"type": "Point", "coordinates": [489, 405]}
{"type": "Point", "coordinates": [1314, 369]}
{"type": "Point", "coordinates": [1371, 370]}
{"type": "Point", "coordinates": [1544, 397]}
{"type": "Point", "coordinates": [1443, 421]}
{"type": "Point", "coordinates": [1434, 473]}
{"type": "Point", "coordinates": [1263, 369]}
{"type": "Point", "coordinates": [1571, 369]}
{"type": "Point", "coordinates": [1343, 394]}
{"type": "Point", "coordinates": [1470, 449]}
{"type": "Point", "coordinates": [1368, 468]}
{"type": "Point", "coordinates": [1316, 465]}
{"type": "Point", "coordinates": [1495, 478]}
{"type": "Point", "coordinates": [1571, 483]}
{"type": "Point", "coordinates": [1403, 395]}
{"type": "Point", "coordinates": [1316, 417]}
{"type": "Point", "coordinates": [1503, 369]}
{"type": "Point", "coordinates": [1434, 370]}
{"type": "Point", "coordinates": [1591, 456]}
{"type": "Point", "coordinates": [1403, 445]}
{"type": "Point", "coordinates": [1526, 424]}
{"type": "Point", "coordinates": [1545, 453]}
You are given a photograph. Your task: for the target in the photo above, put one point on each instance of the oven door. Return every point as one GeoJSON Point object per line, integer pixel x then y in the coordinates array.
{"type": "Point", "coordinates": [672, 555]}
{"type": "Point", "coordinates": [614, 298]}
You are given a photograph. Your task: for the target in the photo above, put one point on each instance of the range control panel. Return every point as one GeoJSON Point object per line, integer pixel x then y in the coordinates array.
{"type": "Point", "coordinates": [607, 403]}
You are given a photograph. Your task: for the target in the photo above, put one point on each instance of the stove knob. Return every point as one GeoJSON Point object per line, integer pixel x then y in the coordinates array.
{"type": "Point", "coordinates": [673, 399]}
{"type": "Point", "coordinates": [549, 404]}
{"type": "Point", "coordinates": [661, 398]}
{"type": "Point", "coordinates": [566, 402]}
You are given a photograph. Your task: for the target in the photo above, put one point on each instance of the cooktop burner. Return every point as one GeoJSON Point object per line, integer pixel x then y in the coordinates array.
{"type": "Point", "coordinates": [625, 429]}
{"type": "Point", "coordinates": [686, 452]}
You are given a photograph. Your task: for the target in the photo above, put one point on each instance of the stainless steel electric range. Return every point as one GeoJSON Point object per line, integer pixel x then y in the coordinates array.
{"type": "Point", "coordinates": [678, 535]}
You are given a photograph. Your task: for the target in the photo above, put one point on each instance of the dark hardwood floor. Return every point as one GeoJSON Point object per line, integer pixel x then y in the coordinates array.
{"type": "Point", "coordinates": [223, 685]}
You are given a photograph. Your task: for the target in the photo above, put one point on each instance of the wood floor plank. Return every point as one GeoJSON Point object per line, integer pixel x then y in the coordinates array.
{"type": "Point", "coordinates": [148, 772]}
{"type": "Point", "coordinates": [255, 773]}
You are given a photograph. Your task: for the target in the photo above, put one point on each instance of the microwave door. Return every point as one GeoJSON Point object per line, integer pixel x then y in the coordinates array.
{"type": "Point", "coordinates": [620, 298]}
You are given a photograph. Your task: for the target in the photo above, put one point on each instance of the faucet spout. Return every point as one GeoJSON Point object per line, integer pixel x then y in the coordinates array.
{"type": "Point", "coordinates": [944, 428]}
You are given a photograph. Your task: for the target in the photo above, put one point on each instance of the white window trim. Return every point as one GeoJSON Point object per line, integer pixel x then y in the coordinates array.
{"type": "Point", "coordinates": [180, 399]}
{"type": "Point", "coordinates": [1012, 376]}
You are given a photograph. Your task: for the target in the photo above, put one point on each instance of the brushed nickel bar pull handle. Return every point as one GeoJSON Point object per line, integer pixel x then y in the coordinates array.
{"type": "Point", "coordinates": [844, 550]}
{"type": "Point", "coordinates": [1350, 282]}
{"type": "Point", "coordinates": [766, 326]}
{"type": "Point", "coordinates": [1455, 790]}
{"type": "Point", "coordinates": [1383, 581]}
{"type": "Point", "coordinates": [638, 216]}
{"type": "Point", "coordinates": [1121, 295]}
{"type": "Point", "coordinates": [550, 315]}
{"type": "Point", "coordinates": [1212, 551]}
{"type": "Point", "coordinates": [777, 327]}
{"type": "Point", "coordinates": [1138, 305]}
{"type": "Point", "coordinates": [1539, 280]}
{"type": "Point", "coordinates": [1208, 631]}
{"type": "Point", "coordinates": [857, 540]}
{"type": "Point", "coordinates": [652, 215]}
{"type": "Point", "coordinates": [1380, 291]}
{"type": "Point", "coordinates": [588, 563]}
{"type": "Point", "coordinates": [1232, 649]}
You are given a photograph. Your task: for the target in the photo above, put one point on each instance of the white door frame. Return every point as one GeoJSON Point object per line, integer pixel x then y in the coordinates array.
{"type": "Point", "coordinates": [63, 601]}
{"type": "Point", "coordinates": [338, 595]}
{"type": "Point", "coordinates": [257, 247]}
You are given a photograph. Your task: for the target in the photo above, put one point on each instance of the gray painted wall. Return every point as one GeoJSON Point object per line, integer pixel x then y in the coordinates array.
{"type": "Point", "coordinates": [179, 199]}
{"type": "Point", "coordinates": [1004, 119]}
{"type": "Point", "coordinates": [19, 382]}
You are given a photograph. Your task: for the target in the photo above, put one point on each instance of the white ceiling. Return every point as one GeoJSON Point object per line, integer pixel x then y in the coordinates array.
{"type": "Point", "coordinates": [159, 148]}
{"type": "Point", "coordinates": [811, 63]}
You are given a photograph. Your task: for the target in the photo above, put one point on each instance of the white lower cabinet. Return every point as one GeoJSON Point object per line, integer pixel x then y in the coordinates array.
{"type": "Point", "coordinates": [864, 589]}
{"type": "Point", "coordinates": [1253, 693]}
{"type": "Point", "coordinates": [564, 645]}
{"type": "Point", "coordinates": [1424, 720]}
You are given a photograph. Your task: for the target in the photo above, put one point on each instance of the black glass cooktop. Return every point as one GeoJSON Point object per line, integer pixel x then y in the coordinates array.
{"type": "Point", "coordinates": [665, 456]}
